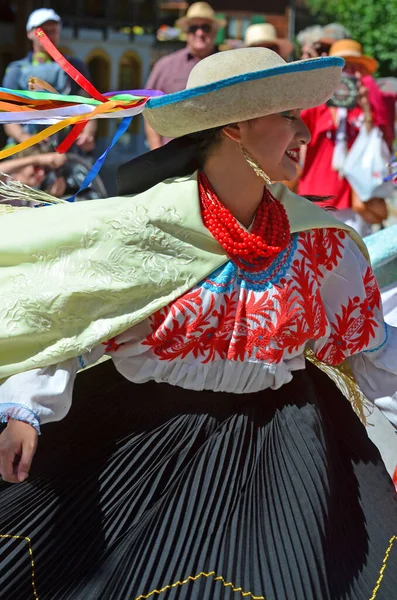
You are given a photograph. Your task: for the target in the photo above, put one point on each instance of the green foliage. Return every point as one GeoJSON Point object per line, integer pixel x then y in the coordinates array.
{"type": "Point", "coordinates": [373, 23]}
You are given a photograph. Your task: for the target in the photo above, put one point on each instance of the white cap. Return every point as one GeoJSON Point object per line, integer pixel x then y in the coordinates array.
{"type": "Point", "coordinates": [40, 16]}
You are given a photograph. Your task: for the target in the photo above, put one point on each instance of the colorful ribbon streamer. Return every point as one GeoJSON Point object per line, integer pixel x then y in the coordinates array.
{"type": "Point", "coordinates": [71, 138]}
{"type": "Point", "coordinates": [59, 111]}
{"type": "Point", "coordinates": [49, 131]}
{"type": "Point", "coordinates": [67, 67]}
{"type": "Point", "coordinates": [393, 176]}
{"type": "Point", "coordinates": [93, 172]}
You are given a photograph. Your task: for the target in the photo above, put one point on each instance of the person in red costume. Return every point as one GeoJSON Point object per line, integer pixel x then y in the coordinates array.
{"type": "Point", "coordinates": [333, 132]}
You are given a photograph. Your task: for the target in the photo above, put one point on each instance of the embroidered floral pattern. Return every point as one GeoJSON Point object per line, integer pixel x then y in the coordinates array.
{"type": "Point", "coordinates": [97, 274]}
{"type": "Point", "coordinates": [267, 316]}
{"type": "Point", "coordinates": [355, 326]}
{"type": "Point", "coordinates": [111, 345]}
{"type": "Point", "coordinates": [156, 249]}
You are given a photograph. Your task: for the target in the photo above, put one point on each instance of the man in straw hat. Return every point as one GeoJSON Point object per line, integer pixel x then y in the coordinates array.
{"type": "Point", "coordinates": [170, 73]}
{"type": "Point", "coordinates": [224, 463]}
{"type": "Point", "coordinates": [264, 35]}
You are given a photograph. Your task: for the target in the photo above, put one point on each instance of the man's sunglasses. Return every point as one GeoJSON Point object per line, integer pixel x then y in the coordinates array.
{"type": "Point", "coordinates": [205, 28]}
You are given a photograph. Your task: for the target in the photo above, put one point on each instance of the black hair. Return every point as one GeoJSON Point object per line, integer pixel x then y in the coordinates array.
{"type": "Point", "coordinates": [181, 156]}
{"type": "Point", "coordinates": [204, 143]}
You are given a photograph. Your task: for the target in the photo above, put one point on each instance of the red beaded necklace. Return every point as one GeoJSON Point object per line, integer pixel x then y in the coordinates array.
{"type": "Point", "coordinates": [251, 251]}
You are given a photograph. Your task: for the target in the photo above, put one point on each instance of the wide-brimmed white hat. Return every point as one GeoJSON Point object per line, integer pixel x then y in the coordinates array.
{"type": "Point", "coordinates": [201, 11]}
{"type": "Point", "coordinates": [266, 34]}
{"type": "Point", "coordinates": [238, 85]}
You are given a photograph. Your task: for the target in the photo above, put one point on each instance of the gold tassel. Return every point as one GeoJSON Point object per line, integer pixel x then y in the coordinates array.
{"type": "Point", "coordinates": [344, 379]}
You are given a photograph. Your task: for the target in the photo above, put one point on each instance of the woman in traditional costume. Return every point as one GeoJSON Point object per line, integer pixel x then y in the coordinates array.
{"type": "Point", "coordinates": [218, 462]}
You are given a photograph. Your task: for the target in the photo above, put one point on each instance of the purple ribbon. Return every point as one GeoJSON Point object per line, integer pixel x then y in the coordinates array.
{"type": "Point", "coordinates": [148, 93]}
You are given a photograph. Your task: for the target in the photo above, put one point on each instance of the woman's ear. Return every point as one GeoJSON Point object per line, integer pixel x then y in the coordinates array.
{"type": "Point", "coordinates": [233, 132]}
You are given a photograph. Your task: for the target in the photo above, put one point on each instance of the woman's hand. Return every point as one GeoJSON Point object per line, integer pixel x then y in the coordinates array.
{"type": "Point", "coordinates": [18, 444]}
{"type": "Point", "coordinates": [50, 160]}
{"type": "Point", "coordinates": [86, 141]}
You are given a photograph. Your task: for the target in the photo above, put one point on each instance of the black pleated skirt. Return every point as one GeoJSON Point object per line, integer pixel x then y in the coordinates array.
{"type": "Point", "coordinates": [154, 492]}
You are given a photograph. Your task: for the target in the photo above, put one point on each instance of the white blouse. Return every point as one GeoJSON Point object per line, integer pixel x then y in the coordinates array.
{"type": "Point", "coordinates": [242, 332]}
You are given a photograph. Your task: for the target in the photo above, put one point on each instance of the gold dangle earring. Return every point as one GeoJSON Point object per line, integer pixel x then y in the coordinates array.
{"type": "Point", "coordinates": [254, 165]}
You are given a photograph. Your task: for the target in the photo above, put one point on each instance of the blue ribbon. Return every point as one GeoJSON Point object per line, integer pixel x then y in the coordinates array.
{"type": "Point", "coordinates": [93, 172]}
{"type": "Point", "coordinates": [390, 177]}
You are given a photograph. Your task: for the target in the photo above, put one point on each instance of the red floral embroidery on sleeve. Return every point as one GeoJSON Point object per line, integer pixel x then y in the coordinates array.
{"type": "Point", "coordinates": [372, 289]}
{"type": "Point", "coordinates": [355, 326]}
{"type": "Point", "coordinates": [329, 247]}
{"type": "Point", "coordinates": [323, 248]}
{"type": "Point", "coordinates": [111, 345]}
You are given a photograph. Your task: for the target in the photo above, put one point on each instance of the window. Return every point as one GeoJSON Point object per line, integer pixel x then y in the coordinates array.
{"type": "Point", "coordinates": [130, 77]}
{"type": "Point", "coordinates": [99, 65]}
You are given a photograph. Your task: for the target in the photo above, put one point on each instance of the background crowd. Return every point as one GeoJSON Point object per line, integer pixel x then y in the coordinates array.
{"type": "Point", "coordinates": [334, 127]}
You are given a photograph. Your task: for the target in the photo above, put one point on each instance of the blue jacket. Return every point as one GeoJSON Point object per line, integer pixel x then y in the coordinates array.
{"type": "Point", "coordinates": [18, 73]}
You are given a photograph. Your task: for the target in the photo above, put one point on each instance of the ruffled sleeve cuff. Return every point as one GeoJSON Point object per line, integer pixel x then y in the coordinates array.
{"type": "Point", "coordinates": [19, 412]}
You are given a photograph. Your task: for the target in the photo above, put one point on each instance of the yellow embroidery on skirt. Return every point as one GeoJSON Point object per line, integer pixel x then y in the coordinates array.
{"type": "Point", "coordinates": [194, 578]}
{"type": "Point", "coordinates": [382, 571]}
{"type": "Point", "coordinates": [28, 540]}
{"type": "Point", "coordinates": [216, 577]}
{"type": "Point", "coordinates": [344, 379]}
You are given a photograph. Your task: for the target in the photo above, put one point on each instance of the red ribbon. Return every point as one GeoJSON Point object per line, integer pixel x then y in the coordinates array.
{"type": "Point", "coordinates": [67, 67]}
{"type": "Point", "coordinates": [71, 137]}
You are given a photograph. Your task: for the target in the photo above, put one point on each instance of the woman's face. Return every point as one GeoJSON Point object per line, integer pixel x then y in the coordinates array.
{"type": "Point", "coordinates": [308, 51]}
{"type": "Point", "coordinates": [274, 142]}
